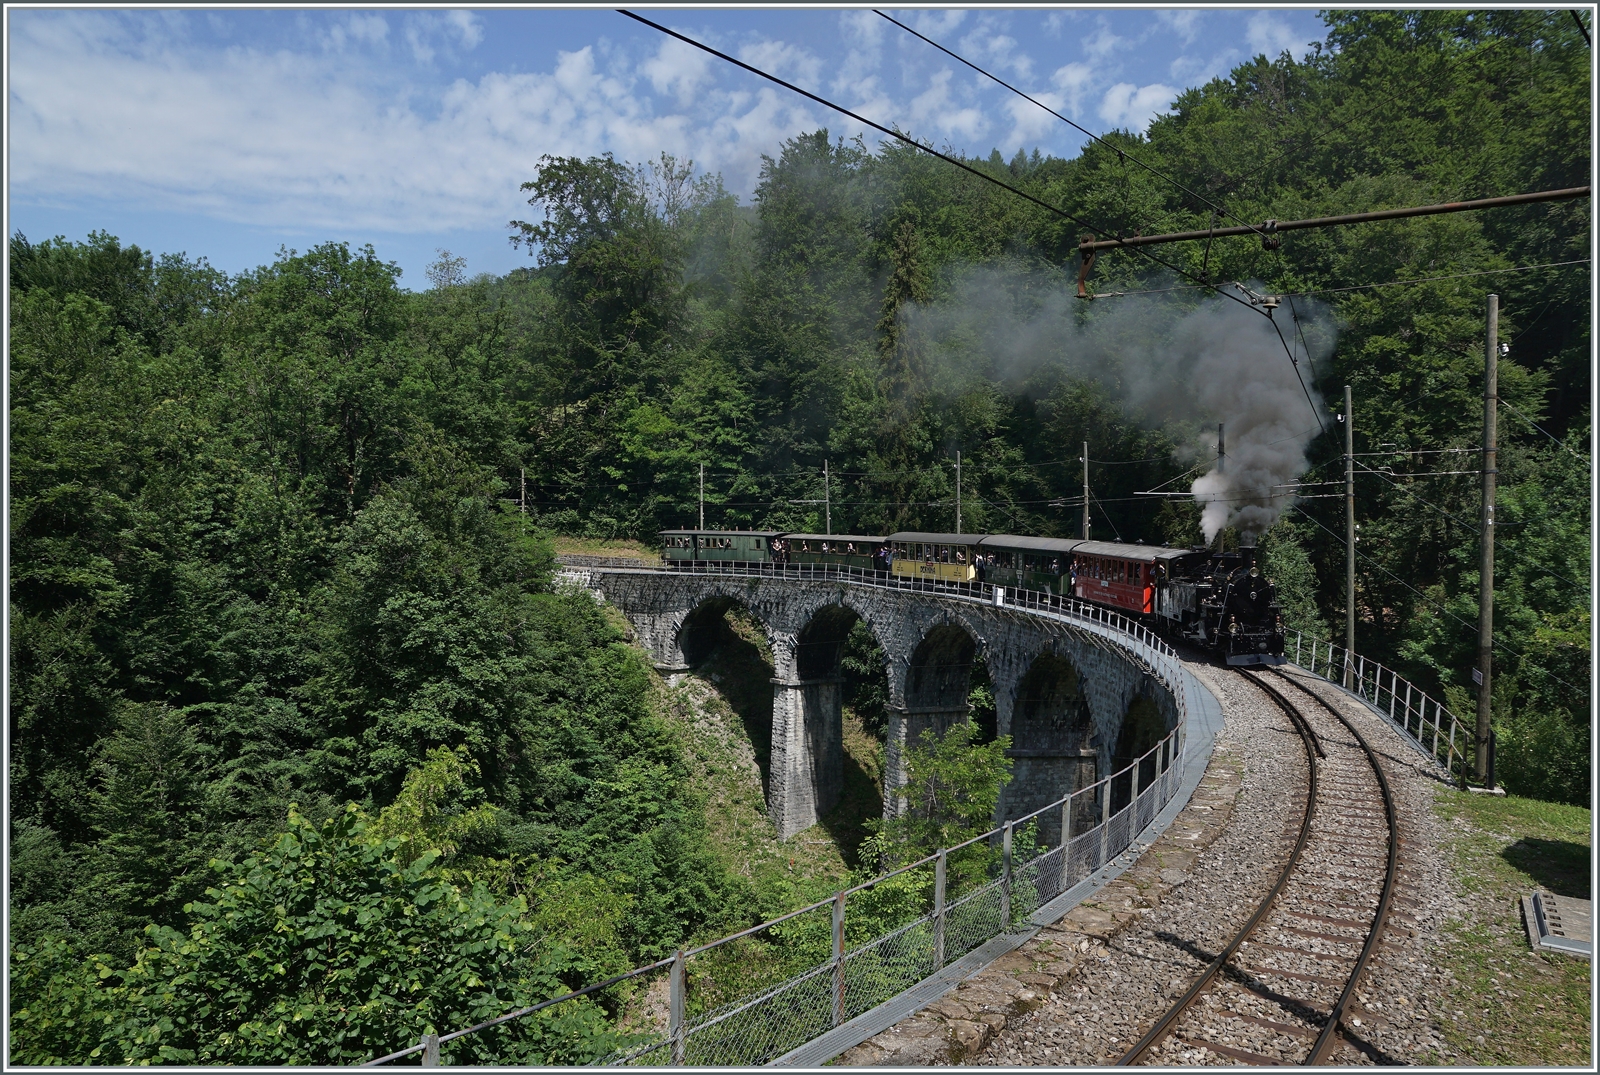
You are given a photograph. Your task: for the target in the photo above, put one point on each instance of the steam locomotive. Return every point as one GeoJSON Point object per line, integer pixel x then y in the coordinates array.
{"type": "Point", "coordinates": [1219, 601]}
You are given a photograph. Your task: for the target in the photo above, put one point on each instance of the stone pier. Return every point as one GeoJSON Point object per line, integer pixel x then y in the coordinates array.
{"type": "Point", "coordinates": [1065, 693]}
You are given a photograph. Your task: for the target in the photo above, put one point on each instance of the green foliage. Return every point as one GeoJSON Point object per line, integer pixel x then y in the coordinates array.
{"type": "Point", "coordinates": [440, 810]}
{"type": "Point", "coordinates": [952, 788]}
{"type": "Point", "coordinates": [262, 551]}
{"type": "Point", "coordinates": [1287, 566]}
{"type": "Point", "coordinates": [323, 948]}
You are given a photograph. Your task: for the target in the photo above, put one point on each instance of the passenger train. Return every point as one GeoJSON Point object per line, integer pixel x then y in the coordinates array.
{"type": "Point", "coordinates": [1217, 600]}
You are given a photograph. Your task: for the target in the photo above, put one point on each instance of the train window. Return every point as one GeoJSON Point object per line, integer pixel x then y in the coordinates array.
{"type": "Point", "coordinates": [758, 543]}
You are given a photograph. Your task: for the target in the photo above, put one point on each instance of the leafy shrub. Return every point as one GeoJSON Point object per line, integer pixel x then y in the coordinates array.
{"type": "Point", "coordinates": [324, 948]}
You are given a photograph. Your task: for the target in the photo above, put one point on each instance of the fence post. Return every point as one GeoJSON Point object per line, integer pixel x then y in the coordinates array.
{"type": "Point", "coordinates": [1005, 879]}
{"type": "Point", "coordinates": [1392, 682]}
{"type": "Point", "coordinates": [675, 1005]}
{"type": "Point", "coordinates": [838, 959]}
{"type": "Point", "coordinates": [1105, 819]}
{"type": "Point", "coordinates": [1361, 678]}
{"type": "Point", "coordinates": [1066, 838]}
{"type": "Point", "coordinates": [938, 912]}
{"type": "Point", "coordinates": [430, 1050]}
{"type": "Point", "coordinates": [1297, 638]}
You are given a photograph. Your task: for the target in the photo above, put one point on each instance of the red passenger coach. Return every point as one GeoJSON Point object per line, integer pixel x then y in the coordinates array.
{"type": "Point", "coordinates": [1114, 574]}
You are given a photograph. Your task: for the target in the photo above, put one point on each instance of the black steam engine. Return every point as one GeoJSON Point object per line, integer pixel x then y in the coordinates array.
{"type": "Point", "coordinates": [1219, 601]}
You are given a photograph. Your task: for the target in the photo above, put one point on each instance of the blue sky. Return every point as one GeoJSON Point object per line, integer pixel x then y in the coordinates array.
{"type": "Point", "coordinates": [229, 133]}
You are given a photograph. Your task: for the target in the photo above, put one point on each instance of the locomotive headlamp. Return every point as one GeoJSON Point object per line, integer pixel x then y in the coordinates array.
{"type": "Point", "coordinates": [1255, 572]}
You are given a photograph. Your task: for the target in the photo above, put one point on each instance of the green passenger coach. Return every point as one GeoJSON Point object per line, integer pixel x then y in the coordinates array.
{"type": "Point", "coordinates": [729, 546]}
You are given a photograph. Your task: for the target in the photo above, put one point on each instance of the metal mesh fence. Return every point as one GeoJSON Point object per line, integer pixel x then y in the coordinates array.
{"type": "Point", "coordinates": [757, 1030]}
{"type": "Point", "coordinates": [971, 921]}
{"type": "Point", "coordinates": [750, 998]}
{"type": "Point", "coordinates": [888, 966]}
{"type": "Point", "coordinates": [1431, 728]}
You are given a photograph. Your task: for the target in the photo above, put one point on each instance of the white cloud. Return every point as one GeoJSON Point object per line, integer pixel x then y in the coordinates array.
{"type": "Point", "coordinates": [678, 69]}
{"type": "Point", "coordinates": [1030, 123]}
{"type": "Point", "coordinates": [935, 109]}
{"type": "Point", "coordinates": [1198, 70]}
{"type": "Point", "coordinates": [357, 29]}
{"type": "Point", "coordinates": [1074, 82]}
{"type": "Point", "coordinates": [466, 26]}
{"type": "Point", "coordinates": [1183, 24]}
{"type": "Point", "coordinates": [1103, 43]}
{"type": "Point", "coordinates": [789, 62]}
{"type": "Point", "coordinates": [307, 140]}
{"type": "Point", "coordinates": [1269, 34]}
{"type": "Point", "coordinates": [1133, 107]}
{"type": "Point", "coordinates": [997, 51]}
{"type": "Point", "coordinates": [933, 23]}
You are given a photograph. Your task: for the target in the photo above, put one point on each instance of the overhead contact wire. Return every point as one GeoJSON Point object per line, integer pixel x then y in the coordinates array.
{"type": "Point", "coordinates": [1121, 153]}
{"type": "Point", "coordinates": [908, 140]}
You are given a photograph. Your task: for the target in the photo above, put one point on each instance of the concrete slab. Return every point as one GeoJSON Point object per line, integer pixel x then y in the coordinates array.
{"type": "Point", "coordinates": [1559, 924]}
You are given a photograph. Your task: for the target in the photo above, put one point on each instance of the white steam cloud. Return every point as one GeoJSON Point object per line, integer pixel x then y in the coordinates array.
{"type": "Point", "coordinates": [1184, 367]}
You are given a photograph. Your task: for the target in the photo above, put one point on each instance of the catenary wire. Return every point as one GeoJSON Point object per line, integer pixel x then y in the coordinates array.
{"type": "Point", "coordinates": [908, 140]}
{"type": "Point", "coordinates": [1357, 287]}
{"type": "Point", "coordinates": [1408, 492]}
{"type": "Point", "coordinates": [1536, 425]}
{"type": "Point", "coordinates": [1498, 645]}
{"type": "Point", "coordinates": [1122, 154]}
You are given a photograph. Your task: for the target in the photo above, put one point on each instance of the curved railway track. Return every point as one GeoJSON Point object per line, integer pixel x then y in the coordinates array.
{"type": "Point", "coordinates": [1291, 970]}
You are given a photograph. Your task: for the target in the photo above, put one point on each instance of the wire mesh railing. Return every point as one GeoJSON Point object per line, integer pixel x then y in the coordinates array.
{"type": "Point", "coordinates": [752, 996]}
{"type": "Point", "coordinates": [1433, 730]}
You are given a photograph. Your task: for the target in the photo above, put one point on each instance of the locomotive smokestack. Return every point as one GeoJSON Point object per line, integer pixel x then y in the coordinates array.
{"type": "Point", "coordinates": [1247, 548]}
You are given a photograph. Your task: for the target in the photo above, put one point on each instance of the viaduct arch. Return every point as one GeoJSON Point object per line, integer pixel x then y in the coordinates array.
{"type": "Point", "coordinates": [1072, 696]}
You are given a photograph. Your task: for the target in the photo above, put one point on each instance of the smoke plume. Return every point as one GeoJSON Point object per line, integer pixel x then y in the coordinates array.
{"type": "Point", "coordinates": [1183, 367]}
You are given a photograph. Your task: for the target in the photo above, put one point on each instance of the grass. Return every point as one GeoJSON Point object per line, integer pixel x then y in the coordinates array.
{"type": "Point", "coordinates": [584, 546]}
{"type": "Point", "coordinates": [1515, 1006]}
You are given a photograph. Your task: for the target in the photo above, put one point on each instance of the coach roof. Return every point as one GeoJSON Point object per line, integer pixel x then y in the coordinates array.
{"type": "Point", "coordinates": [937, 539]}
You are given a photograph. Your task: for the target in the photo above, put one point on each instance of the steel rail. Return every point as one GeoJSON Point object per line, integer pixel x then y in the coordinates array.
{"type": "Point", "coordinates": [1165, 1024]}
{"type": "Point", "coordinates": [1336, 1016]}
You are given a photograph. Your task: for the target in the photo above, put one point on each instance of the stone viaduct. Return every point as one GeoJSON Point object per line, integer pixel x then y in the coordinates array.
{"type": "Point", "coordinates": [1076, 700]}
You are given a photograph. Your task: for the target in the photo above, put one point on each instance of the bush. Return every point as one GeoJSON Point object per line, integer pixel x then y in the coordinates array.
{"type": "Point", "coordinates": [325, 948]}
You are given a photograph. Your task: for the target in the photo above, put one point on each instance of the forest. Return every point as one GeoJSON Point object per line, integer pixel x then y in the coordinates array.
{"type": "Point", "coordinates": [310, 753]}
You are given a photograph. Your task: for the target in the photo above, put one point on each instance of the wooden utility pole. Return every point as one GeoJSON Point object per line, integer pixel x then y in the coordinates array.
{"type": "Point", "coordinates": [958, 491]}
{"type": "Point", "coordinates": [702, 496]}
{"type": "Point", "coordinates": [1086, 490]}
{"type": "Point", "coordinates": [1491, 378]}
{"type": "Point", "coordinates": [1349, 539]}
{"type": "Point", "coordinates": [827, 500]}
